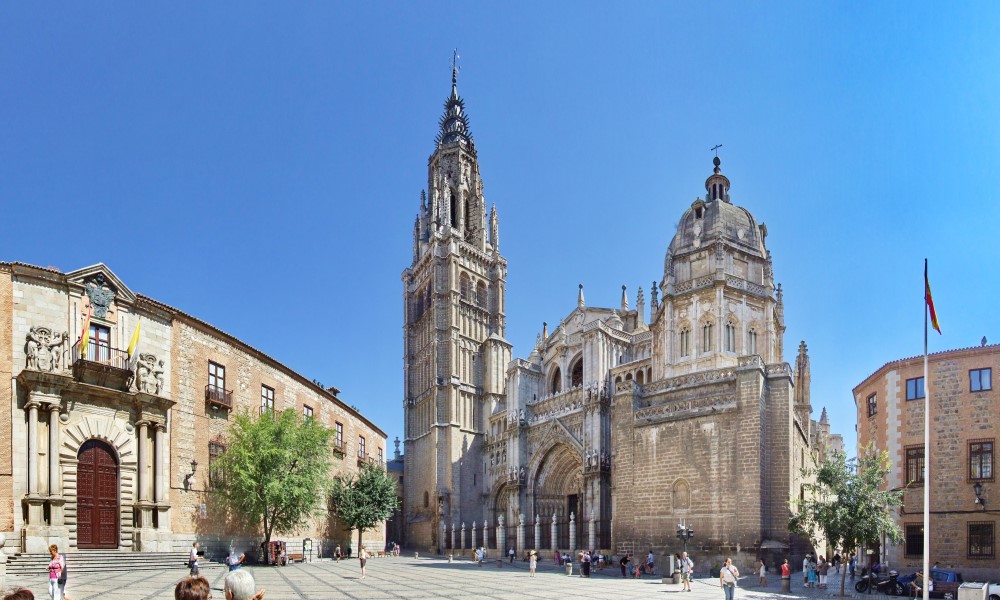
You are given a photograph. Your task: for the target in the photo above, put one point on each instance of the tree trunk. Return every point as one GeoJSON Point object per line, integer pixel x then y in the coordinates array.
{"type": "Point", "coordinates": [843, 578]}
{"type": "Point", "coordinates": [360, 531]}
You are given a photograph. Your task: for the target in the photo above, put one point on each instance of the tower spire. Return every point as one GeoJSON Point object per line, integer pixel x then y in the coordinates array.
{"type": "Point", "coordinates": [454, 123]}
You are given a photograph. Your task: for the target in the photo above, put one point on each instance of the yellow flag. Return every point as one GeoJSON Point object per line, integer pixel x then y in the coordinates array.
{"type": "Point", "coordinates": [135, 340]}
{"type": "Point", "coordinates": [85, 335]}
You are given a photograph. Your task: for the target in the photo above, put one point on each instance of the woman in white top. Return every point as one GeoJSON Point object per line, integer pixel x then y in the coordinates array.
{"type": "Point", "coordinates": [532, 563]}
{"type": "Point", "coordinates": [727, 578]}
{"type": "Point", "coordinates": [763, 573]}
{"type": "Point", "coordinates": [363, 558]}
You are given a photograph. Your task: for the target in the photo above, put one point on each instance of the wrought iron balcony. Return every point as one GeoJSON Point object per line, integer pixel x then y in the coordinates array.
{"type": "Point", "coordinates": [101, 365]}
{"type": "Point", "coordinates": [338, 447]}
{"type": "Point", "coordinates": [218, 397]}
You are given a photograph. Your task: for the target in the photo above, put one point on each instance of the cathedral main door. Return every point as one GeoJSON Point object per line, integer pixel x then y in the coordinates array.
{"type": "Point", "coordinates": [97, 496]}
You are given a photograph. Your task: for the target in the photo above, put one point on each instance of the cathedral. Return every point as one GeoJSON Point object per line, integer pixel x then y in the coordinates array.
{"type": "Point", "coordinates": [622, 422]}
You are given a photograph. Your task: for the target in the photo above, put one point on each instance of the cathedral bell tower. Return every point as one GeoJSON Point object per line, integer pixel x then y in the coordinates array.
{"type": "Point", "coordinates": [455, 355]}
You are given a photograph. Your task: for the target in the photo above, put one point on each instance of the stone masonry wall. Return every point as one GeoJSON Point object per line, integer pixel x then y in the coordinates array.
{"type": "Point", "coordinates": [6, 400]}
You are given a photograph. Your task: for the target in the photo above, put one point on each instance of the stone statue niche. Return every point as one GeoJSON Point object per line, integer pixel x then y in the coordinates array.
{"type": "Point", "coordinates": [45, 349]}
{"type": "Point", "coordinates": [149, 374]}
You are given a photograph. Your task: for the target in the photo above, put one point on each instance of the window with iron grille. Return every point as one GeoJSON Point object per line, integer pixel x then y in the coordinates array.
{"type": "Point", "coordinates": [914, 540]}
{"type": "Point", "coordinates": [981, 540]}
{"type": "Point", "coordinates": [981, 460]}
{"type": "Point", "coordinates": [980, 380]}
{"type": "Point", "coordinates": [215, 474]}
{"type": "Point", "coordinates": [915, 465]}
{"type": "Point", "coordinates": [872, 405]}
{"type": "Point", "coordinates": [915, 388]}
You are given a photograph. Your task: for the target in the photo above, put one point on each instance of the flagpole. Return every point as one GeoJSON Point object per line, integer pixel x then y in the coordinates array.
{"type": "Point", "coordinates": [927, 451]}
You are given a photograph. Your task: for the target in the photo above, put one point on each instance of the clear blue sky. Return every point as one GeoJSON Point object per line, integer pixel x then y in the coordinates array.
{"type": "Point", "coordinates": [259, 166]}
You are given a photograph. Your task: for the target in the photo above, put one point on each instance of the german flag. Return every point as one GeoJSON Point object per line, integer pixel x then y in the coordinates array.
{"type": "Point", "coordinates": [930, 300]}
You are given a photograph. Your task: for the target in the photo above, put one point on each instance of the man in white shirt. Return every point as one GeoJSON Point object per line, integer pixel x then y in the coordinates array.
{"type": "Point", "coordinates": [687, 569]}
{"type": "Point", "coordinates": [193, 559]}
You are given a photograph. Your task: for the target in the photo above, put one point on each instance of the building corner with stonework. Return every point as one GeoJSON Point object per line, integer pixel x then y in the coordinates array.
{"type": "Point", "coordinates": [622, 422]}
{"type": "Point", "coordinates": [965, 423]}
{"type": "Point", "coordinates": [108, 451]}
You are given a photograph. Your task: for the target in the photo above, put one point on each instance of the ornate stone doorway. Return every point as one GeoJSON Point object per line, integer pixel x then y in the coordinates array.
{"type": "Point", "coordinates": [97, 496]}
{"type": "Point", "coordinates": [558, 492]}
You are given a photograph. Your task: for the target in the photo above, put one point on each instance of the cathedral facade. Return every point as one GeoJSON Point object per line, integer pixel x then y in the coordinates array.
{"type": "Point", "coordinates": [622, 422]}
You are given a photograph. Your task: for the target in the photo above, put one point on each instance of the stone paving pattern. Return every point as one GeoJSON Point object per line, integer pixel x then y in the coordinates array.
{"type": "Point", "coordinates": [406, 577]}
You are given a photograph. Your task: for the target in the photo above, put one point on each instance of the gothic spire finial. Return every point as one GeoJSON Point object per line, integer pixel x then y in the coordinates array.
{"type": "Point", "coordinates": [454, 73]}
{"type": "Point", "coordinates": [579, 297]}
{"type": "Point", "coordinates": [624, 300]}
{"type": "Point", "coordinates": [454, 123]}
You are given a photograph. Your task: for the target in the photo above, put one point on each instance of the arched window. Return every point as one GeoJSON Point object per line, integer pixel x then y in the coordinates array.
{"type": "Point", "coordinates": [618, 379]}
{"type": "Point", "coordinates": [465, 286]}
{"type": "Point", "coordinates": [706, 337]}
{"type": "Point", "coordinates": [576, 373]}
{"type": "Point", "coordinates": [681, 495]}
{"type": "Point", "coordinates": [555, 385]}
{"type": "Point", "coordinates": [752, 341]}
{"type": "Point", "coordinates": [481, 296]}
{"type": "Point", "coordinates": [639, 378]}
{"type": "Point", "coordinates": [730, 337]}
{"type": "Point", "coordinates": [684, 342]}
{"type": "Point", "coordinates": [628, 377]}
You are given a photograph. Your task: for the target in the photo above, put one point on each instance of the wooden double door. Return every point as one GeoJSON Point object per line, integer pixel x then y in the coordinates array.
{"type": "Point", "coordinates": [97, 496]}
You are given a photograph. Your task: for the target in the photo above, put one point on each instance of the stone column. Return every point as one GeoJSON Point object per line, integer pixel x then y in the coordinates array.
{"type": "Point", "coordinates": [501, 536]}
{"type": "Point", "coordinates": [592, 532]}
{"type": "Point", "coordinates": [538, 534]}
{"type": "Point", "coordinates": [32, 406]}
{"type": "Point", "coordinates": [159, 476]}
{"type": "Point", "coordinates": [55, 479]}
{"type": "Point", "coordinates": [473, 544]}
{"type": "Point", "coordinates": [453, 528]}
{"type": "Point", "coordinates": [444, 536]}
{"type": "Point", "coordinates": [462, 538]}
{"type": "Point", "coordinates": [143, 461]}
{"type": "Point", "coordinates": [486, 534]}
{"type": "Point", "coordinates": [572, 533]}
{"type": "Point", "coordinates": [520, 533]}
{"type": "Point", "coordinates": [555, 531]}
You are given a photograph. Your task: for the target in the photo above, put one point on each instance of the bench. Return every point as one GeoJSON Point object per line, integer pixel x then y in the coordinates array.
{"type": "Point", "coordinates": [295, 558]}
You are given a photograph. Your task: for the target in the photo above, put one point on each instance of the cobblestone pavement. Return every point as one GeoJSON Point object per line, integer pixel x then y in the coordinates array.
{"type": "Point", "coordinates": [406, 577]}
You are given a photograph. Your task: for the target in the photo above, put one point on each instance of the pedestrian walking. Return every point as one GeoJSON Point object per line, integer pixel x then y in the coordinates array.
{"type": "Point", "coordinates": [786, 573]}
{"type": "Point", "coordinates": [337, 553]}
{"type": "Point", "coordinates": [728, 576]}
{"type": "Point", "coordinates": [811, 574]}
{"type": "Point", "coordinates": [55, 573]}
{"type": "Point", "coordinates": [193, 559]}
{"type": "Point", "coordinates": [532, 563]}
{"type": "Point", "coordinates": [510, 553]}
{"type": "Point", "coordinates": [852, 564]}
{"type": "Point", "coordinates": [650, 564]}
{"type": "Point", "coordinates": [687, 570]}
{"type": "Point", "coordinates": [762, 572]}
{"type": "Point", "coordinates": [585, 563]}
{"type": "Point", "coordinates": [805, 570]}
{"type": "Point", "coordinates": [624, 564]}
{"type": "Point", "coordinates": [363, 558]}
{"type": "Point", "coordinates": [824, 569]}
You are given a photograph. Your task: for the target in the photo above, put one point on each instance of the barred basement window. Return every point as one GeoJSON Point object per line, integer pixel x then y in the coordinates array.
{"type": "Point", "coordinates": [915, 465]}
{"type": "Point", "coordinates": [981, 540]}
{"type": "Point", "coordinates": [914, 540]}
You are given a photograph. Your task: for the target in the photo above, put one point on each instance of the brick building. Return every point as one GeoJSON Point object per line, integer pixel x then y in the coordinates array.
{"type": "Point", "coordinates": [98, 451]}
{"type": "Point", "coordinates": [965, 425]}
{"type": "Point", "coordinates": [621, 423]}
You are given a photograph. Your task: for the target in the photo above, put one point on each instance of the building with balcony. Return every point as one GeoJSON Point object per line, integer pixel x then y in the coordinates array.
{"type": "Point", "coordinates": [965, 425]}
{"type": "Point", "coordinates": [108, 450]}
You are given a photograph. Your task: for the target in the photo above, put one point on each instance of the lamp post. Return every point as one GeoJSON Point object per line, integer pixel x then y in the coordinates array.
{"type": "Point", "coordinates": [684, 533]}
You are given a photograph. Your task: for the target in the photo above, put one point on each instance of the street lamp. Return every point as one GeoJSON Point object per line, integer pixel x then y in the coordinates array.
{"type": "Point", "coordinates": [977, 489]}
{"type": "Point", "coordinates": [684, 533]}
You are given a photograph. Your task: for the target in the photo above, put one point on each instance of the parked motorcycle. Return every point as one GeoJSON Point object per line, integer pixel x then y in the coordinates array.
{"type": "Point", "coordinates": [890, 586]}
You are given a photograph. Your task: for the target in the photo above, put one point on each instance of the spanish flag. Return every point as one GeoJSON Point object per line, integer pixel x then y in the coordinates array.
{"type": "Point", "coordinates": [930, 300]}
{"type": "Point", "coordinates": [85, 335]}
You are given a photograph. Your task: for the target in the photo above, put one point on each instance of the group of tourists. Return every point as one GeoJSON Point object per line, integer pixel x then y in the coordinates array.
{"type": "Point", "coordinates": [239, 585]}
{"type": "Point", "coordinates": [815, 571]}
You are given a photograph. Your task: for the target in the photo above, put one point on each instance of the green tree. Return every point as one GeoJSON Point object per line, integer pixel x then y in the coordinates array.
{"type": "Point", "coordinates": [363, 500]}
{"type": "Point", "coordinates": [848, 504]}
{"type": "Point", "coordinates": [275, 470]}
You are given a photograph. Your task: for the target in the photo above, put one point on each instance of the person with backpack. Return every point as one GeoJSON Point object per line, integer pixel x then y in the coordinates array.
{"type": "Point", "coordinates": [728, 576]}
{"type": "Point", "coordinates": [687, 570]}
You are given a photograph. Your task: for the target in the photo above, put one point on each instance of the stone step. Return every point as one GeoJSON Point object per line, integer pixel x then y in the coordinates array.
{"type": "Point", "coordinates": [97, 561]}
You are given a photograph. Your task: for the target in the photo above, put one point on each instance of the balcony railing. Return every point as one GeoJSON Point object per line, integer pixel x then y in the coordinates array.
{"type": "Point", "coordinates": [218, 397]}
{"type": "Point", "coordinates": [101, 365]}
{"type": "Point", "coordinates": [102, 355]}
{"type": "Point", "coordinates": [338, 447]}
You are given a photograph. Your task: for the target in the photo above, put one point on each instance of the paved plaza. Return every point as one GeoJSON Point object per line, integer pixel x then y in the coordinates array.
{"type": "Point", "coordinates": [406, 577]}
